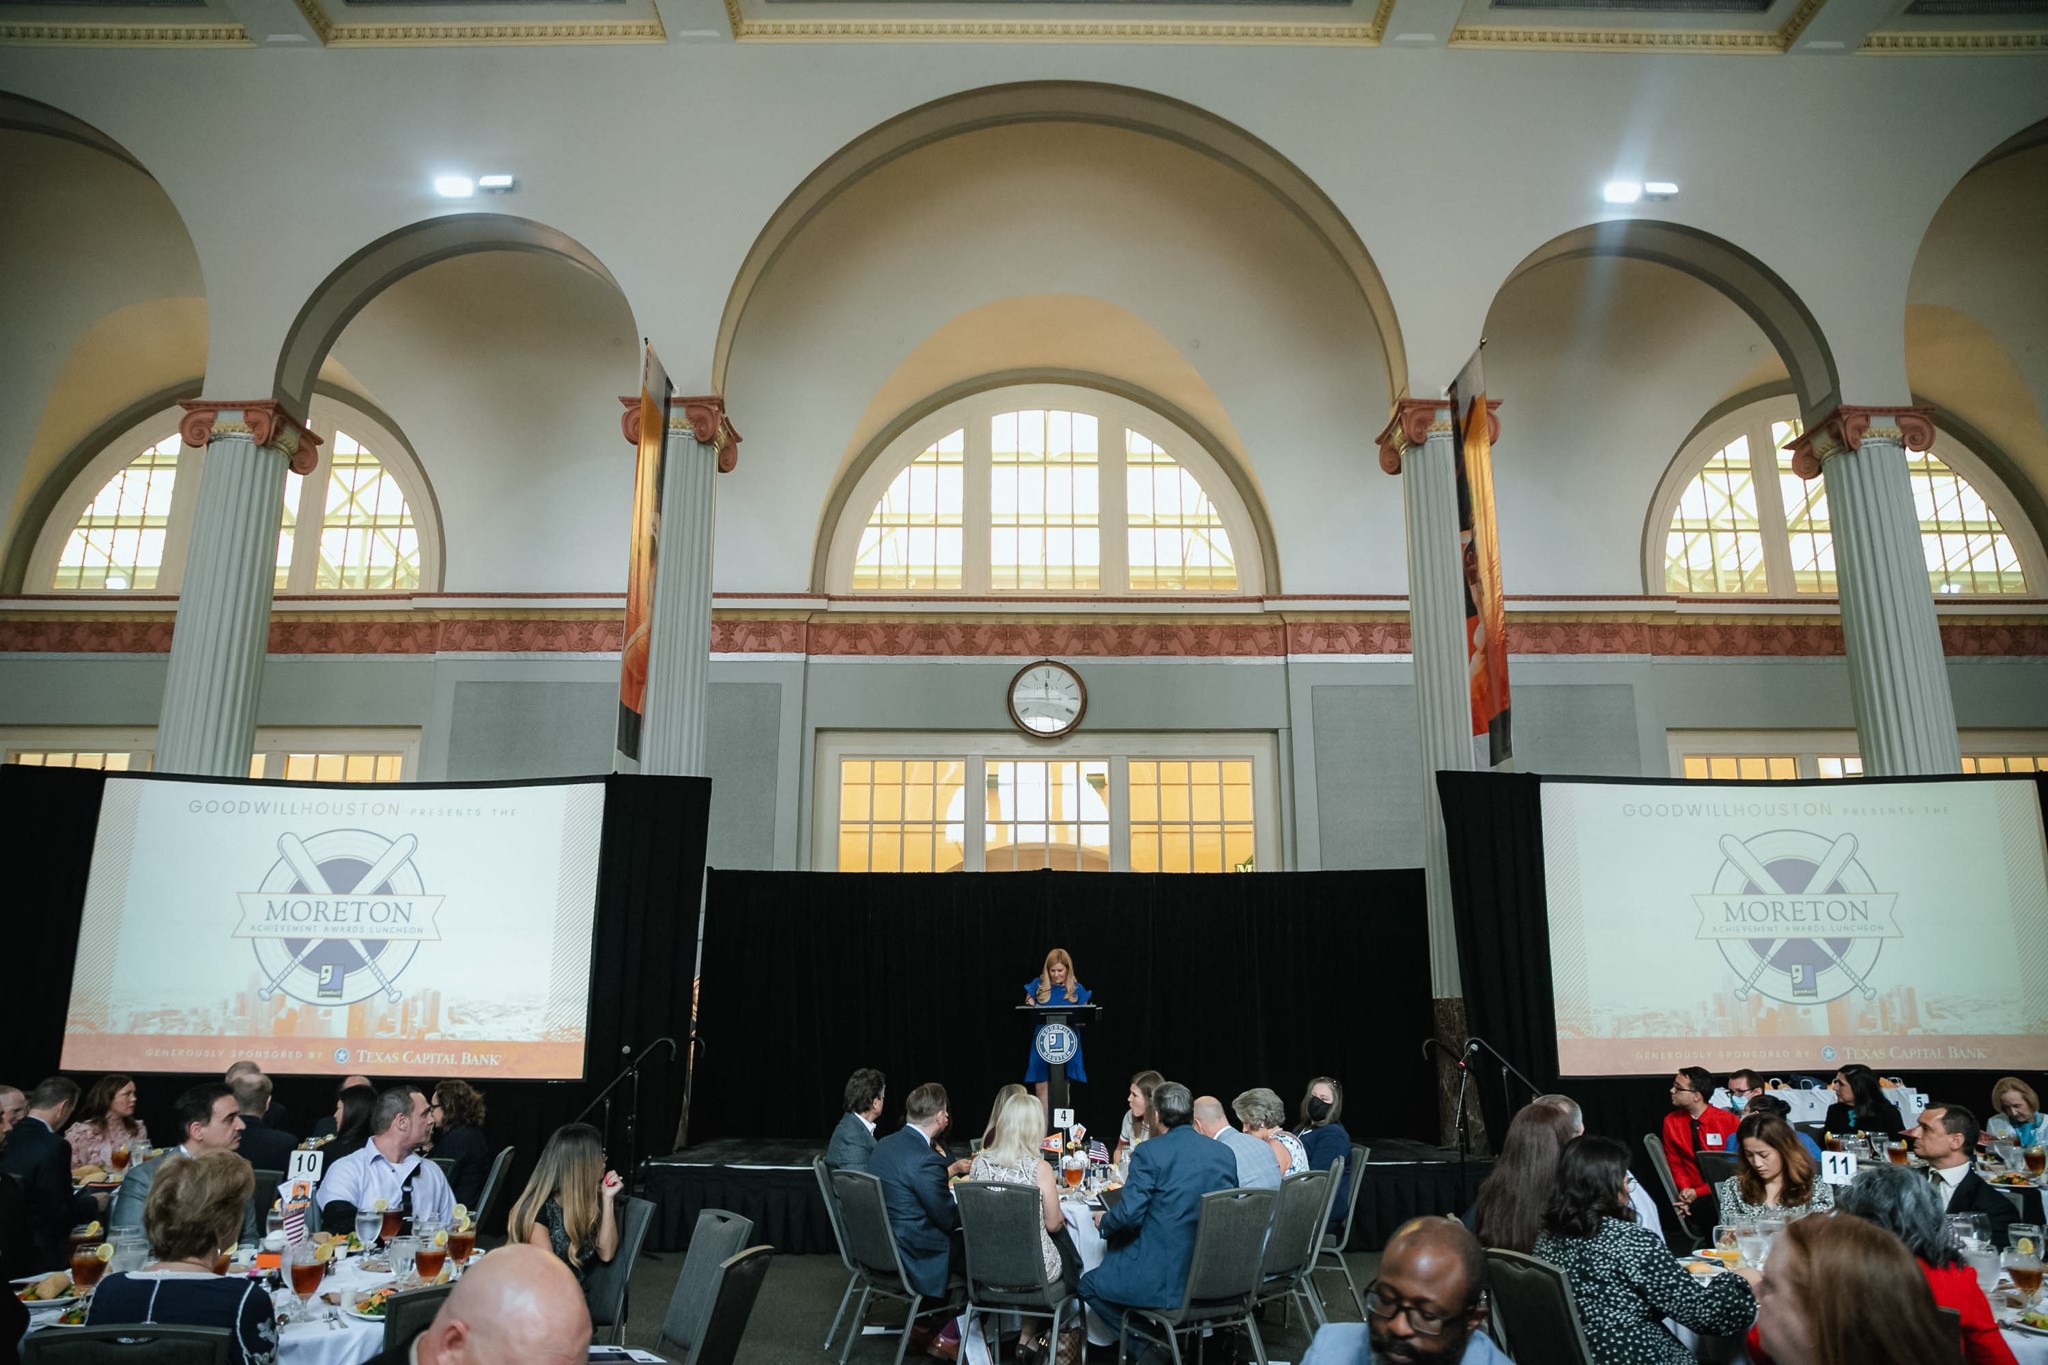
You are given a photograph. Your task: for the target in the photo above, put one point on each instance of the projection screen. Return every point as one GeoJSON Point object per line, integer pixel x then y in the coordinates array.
{"type": "Point", "coordinates": [327, 930]}
{"type": "Point", "coordinates": [1797, 927]}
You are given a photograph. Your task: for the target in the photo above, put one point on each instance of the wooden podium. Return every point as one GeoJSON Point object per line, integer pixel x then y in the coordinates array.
{"type": "Point", "coordinates": [1056, 1023]}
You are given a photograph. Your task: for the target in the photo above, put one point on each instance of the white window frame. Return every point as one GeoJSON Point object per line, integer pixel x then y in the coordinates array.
{"type": "Point", "coordinates": [272, 743]}
{"type": "Point", "coordinates": [1113, 416]}
{"type": "Point", "coordinates": [1754, 421]}
{"type": "Point", "coordinates": [1808, 746]}
{"type": "Point", "coordinates": [327, 415]}
{"type": "Point", "coordinates": [974, 748]}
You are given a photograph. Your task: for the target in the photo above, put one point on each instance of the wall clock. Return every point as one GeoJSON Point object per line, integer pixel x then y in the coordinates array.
{"type": "Point", "coordinates": [1047, 699]}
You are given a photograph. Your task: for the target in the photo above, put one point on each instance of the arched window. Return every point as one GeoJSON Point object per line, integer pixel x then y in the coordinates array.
{"type": "Point", "coordinates": [1733, 519]}
{"type": "Point", "coordinates": [1045, 489]}
{"type": "Point", "coordinates": [123, 524]}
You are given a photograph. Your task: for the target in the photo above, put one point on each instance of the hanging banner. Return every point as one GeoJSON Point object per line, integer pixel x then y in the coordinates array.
{"type": "Point", "coordinates": [655, 391]}
{"type": "Point", "coordinates": [1486, 641]}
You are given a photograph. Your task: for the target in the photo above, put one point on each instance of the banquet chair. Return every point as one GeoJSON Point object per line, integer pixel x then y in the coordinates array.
{"type": "Point", "coordinates": [446, 1163]}
{"type": "Point", "coordinates": [872, 1244]}
{"type": "Point", "coordinates": [492, 1184]}
{"type": "Point", "coordinates": [739, 1284]}
{"type": "Point", "coordinates": [1001, 1225]}
{"type": "Point", "coordinates": [267, 1180]}
{"type": "Point", "coordinates": [824, 1174]}
{"type": "Point", "coordinates": [1534, 1311]}
{"type": "Point", "coordinates": [605, 1289]}
{"type": "Point", "coordinates": [1331, 1249]}
{"type": "Point", "coordinates": [1298, 1223]}
{"type": "Point", "coordinates": [717, 1236]}
{"type": "Point", "coordinates": [1655, 1146]}
{"type": "Point", "coordinates": [1223, 1277]}
{"type": "Point", "coordinates": [411, 1313]}
{"type": "Point", "coordinates": [1715, 1167]}
{"type": "Point", "coordinates": [140, 1344]}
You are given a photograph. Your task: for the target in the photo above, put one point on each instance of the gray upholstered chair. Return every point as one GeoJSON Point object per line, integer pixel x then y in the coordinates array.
{"type": "Point", "coordinates": [1535, 1311]}
{"type": "Point", "coordinates": [1223, 1277]}
{"type": "Point", "coordinates": [739, 1284]}
{"type": "Point", "coordinates": [1298, 1224]}
{"type": "Point", "coordinates": [1002, 1225]}
{"type": "Point", "coordinates": [409, 1314]}
{"type": "Point", "coordinates": [1330, 1252]}
{"type": "Point", "coordinates": [717, 1237]}
{"type": "Point", "coordinates": [871, 1243]}
{"type": "Point", "coordinates": [604, 1289]}
{"type": "Point", "coordinates": [130, 1345]}
{"type": "Point", "coordinates": [824, 1174]}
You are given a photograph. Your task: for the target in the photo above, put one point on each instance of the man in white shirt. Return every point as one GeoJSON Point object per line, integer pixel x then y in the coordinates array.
{"type": "Point", "coordinates": [389, 1167]}
{"type": "Point", "coordinates": [208, 1120]}
{"type": "Point", "coordinates": [1257, 1167]}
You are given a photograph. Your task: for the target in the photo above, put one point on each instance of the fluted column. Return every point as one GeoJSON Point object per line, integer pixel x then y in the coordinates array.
{"type": "Point", "coordinates": [701, 445]}
{"type": "Point", "coordinates": [1898, 680]}
{"type": "Point", "coordinates": [223, 624]}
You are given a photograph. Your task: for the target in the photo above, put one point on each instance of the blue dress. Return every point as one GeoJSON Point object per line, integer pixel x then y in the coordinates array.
{"type": "Point", "coordinates": [1037, 1070]}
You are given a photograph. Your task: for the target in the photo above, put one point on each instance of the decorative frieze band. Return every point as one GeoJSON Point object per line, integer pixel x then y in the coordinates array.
{"type": "Point", "coordinates": [1847, 427]}
{"type": "Point", "coordinates": [262, 420]}
{"type": "Point", "coordinates": [1413, 421]}
{"type": "Point", "coordinates": [704, 417]}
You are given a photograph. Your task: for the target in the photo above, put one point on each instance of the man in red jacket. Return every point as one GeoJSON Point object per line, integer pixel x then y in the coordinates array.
{"type": "Point", "coordinates": [1693, 1125]}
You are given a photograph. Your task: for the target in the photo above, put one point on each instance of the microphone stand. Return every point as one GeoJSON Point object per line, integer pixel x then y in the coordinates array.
{"type": "Point", "coordinates": [1475, 1045]}
{"type": "Point", "coordinates": [1464, 1136]}
{"type": "Point", "coordinates": [604, 1097]}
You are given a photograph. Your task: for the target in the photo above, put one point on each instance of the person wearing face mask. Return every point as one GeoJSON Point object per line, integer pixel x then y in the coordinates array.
{"type": "Point", "coordinates": [1324, 1139]}
{"type": "Point", "coordinates": [1743, 1086]}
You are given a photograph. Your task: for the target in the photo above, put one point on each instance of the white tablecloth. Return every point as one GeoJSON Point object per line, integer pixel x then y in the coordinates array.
{"type": "Point", "coordinates": [1088, 1242]}
{"type": "Point", "coordinates": [349, 1342]}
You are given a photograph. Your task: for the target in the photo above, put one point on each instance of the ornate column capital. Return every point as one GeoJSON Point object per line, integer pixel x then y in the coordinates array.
{"type": "Point", "coordinates": [264, 420]}
{"type": "Point", "coordinates": [704, 417]}
{"type": "Point", "coordinates": [1415, 418]}
{"type": "Point", "coordinates": [1847, 427]}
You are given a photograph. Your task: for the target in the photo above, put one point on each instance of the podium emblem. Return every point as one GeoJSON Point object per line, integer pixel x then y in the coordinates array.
{"type": "Point", "coordinates": [1056, 1044]}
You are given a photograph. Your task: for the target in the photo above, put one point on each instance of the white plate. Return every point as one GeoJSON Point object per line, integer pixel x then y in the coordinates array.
{"type": "Point", "coordinates": [377, 1318]}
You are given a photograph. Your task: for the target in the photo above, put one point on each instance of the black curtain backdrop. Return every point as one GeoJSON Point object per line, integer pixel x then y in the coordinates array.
{"type": "Point", "coordinates": [1494, 822]}
{"type": "Point", "coordinates": [1220, 982]}
{"type": "Point", "coordinates": [650, 873]}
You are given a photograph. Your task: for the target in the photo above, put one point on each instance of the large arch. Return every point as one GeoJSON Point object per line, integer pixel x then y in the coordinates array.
{"type": "Point", "coordinates": [1743, 279]}
{"type": "Point", "coordinates": [389, 259]}
{"type": "Point", "coordinates": [1084, 102]}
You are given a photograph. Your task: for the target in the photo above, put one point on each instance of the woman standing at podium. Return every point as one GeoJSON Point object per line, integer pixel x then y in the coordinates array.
{"type": "Point", "coordinates": [1054, 985]}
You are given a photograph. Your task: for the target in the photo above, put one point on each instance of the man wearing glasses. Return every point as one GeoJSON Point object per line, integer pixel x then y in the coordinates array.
{"type": "Point", "coordinates": [1741, 1085]}
{"type": "Point", "coordinates": [1428, 1304]}
{"type": "Point", "coordinates": [1693, 1125]}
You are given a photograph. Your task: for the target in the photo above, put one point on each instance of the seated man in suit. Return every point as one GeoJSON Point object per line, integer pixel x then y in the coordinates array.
{"type": "Point", "coordinates": [1429, 1304]}
{"type": "Point", "coordinates": [264, 1147]}
{"type": "Point", "coordinates": [1151, 1230]}
{"type": "Point", "coordinates": [38, 1156]}
{"type": "Point", "coordinates": [922, 1214]}
{"type": "Point", "coordinates": [854, 1139]}
{"type": "Point", "coordinates": [1946, 1139]}
{"type": "Point", "coordinates": [208, 1120]}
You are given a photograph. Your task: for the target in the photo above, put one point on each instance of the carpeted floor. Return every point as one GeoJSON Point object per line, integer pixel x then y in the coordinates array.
{"type": "Point", "coordinates": [801, 1293]}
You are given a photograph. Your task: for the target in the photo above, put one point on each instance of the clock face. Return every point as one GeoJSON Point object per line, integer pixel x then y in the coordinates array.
{"type": "Point", "coordinates": [1047, 699]}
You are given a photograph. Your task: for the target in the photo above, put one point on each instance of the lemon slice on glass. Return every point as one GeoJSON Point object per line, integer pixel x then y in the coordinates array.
{"type": "Point", "coordinates": [2024, 1246]}
{"type": "Point", "coordinates": [441, 1237]}
{"type": "Point", "coordinates": [378, 1205]}
{"type": "Point", "coordinates": [105, 1252]}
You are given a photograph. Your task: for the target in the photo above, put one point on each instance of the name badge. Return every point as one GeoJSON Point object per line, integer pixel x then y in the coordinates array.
{"type": "Point", "coordinates": [1838, 1168]}
{"type": "Point", "coordinates": [1714, 1139]}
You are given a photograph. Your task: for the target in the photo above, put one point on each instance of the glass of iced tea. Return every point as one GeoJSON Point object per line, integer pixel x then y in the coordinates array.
{"type": "Point", "coordinates": [118, 1158]}
{"type": "Point", "coordinates": [461, 1244]}
{"type": "Point", "coordinates": [428, 1261]}
{"type": "Point", "coordinates": [87, 1265]}
{"type": "Point", "coordinates": [2037, 1159]}
{"type": "Point", "coordinates": [1898, 1151]}
{"type": "Point", "coordinates": [394, 1222]}
{"type": "Point", "coordinates": [303, 1263]}
{"type": "Point", "coordinates": [2025, 1270]}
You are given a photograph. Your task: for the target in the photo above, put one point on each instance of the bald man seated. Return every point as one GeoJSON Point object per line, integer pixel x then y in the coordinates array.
{"type": "Point", "coordinates": [1426, 1308]}
{"type": "Point", "coordinates": [517, 1304]}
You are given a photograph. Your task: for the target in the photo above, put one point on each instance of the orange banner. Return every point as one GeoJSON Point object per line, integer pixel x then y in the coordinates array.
{"type": "Point", "coordinates": [1486, 626]}
{"type": "Point", "coordinates": [655, 390]}
{"type": "Point", "coordinates": [146, 1052]}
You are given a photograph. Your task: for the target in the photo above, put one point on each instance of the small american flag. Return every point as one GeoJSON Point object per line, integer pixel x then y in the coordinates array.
{"type": "Point", "coordinates": [1097, 1152]}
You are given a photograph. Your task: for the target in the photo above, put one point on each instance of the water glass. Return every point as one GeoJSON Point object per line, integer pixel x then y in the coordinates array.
{"type": "Point", "coordinates": [367, 1223]}
{"type": "Point", "coordinates": [403, 1251]}
{"type": "Point", "coordinates": [2025, 1238]}
{"type": "Point", "coordinates": [1985, 1263]}
{"type": "Point", "coordinates": [1967, 1230]}
{"type": "Point", "coordinates": [1750, 1241]}
{"type": "Point", "coordinates": [131, 1251]}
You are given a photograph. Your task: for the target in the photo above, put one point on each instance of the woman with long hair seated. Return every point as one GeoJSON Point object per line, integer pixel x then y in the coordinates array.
{"type": "Point", "coordinates": [1012, 1158]}
{"type": "Point", "coordinates": [1626, 1281]}
{"type": "Point", "coordinates": [1509, 1211]}
{"type": "Point", "coordinates": [193, 1216]}
{"type": "Point", "coordinates": [567, 1206]}
{"type": "Point", "coordinates": [105, 1120]}
{"type": "Point", "coordinates": [1906, 1205]}
{"type": "Point", "coordinates": [1860, 1105]}
{"type": "Point", "coordinates": [1138, 1124]}
{"type": "Point", "coordinates": [1841, 1291]}
{"type": "Point", "coordinates": [351, 1122]}
{"type": "Point", "coordinates": [1773, 1174]}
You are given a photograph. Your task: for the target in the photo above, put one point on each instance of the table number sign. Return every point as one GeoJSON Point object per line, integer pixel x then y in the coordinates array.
{"type": "Point", "coordinates": [306, 1166]}
{"type": "Point", "coordinates": [1838, 1168]}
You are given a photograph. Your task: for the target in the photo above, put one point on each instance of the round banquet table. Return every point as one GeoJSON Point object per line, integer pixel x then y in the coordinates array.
{"type": "Point", "coordinates": [1087, 1241]}
{"type": "Point", "coordinates": [333, 1339]}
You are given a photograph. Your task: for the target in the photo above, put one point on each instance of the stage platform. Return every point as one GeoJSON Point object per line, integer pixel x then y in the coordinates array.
{"type": "Point", "coordinates": [770, 1181]}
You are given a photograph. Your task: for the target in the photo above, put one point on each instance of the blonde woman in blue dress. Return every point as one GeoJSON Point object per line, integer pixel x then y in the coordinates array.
{"type": "Point", "coordinates": [1055, 984]}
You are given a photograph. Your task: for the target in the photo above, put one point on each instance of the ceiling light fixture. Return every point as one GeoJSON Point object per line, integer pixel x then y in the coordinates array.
{"type": "Point", "coordinates": [1622, 191]}
{"type": "Point", "coordinates": [454, 186]}
{"type": "Point", "coordinates": [1660, 189]}
{"type": "Point", "coordinates": [498, 184]}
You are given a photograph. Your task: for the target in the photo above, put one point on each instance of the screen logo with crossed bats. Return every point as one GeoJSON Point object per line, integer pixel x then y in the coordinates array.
{"type": "Point", "coordinates": [339, 917]}
{"type": "Point", "coordinates": [1797, 917]}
